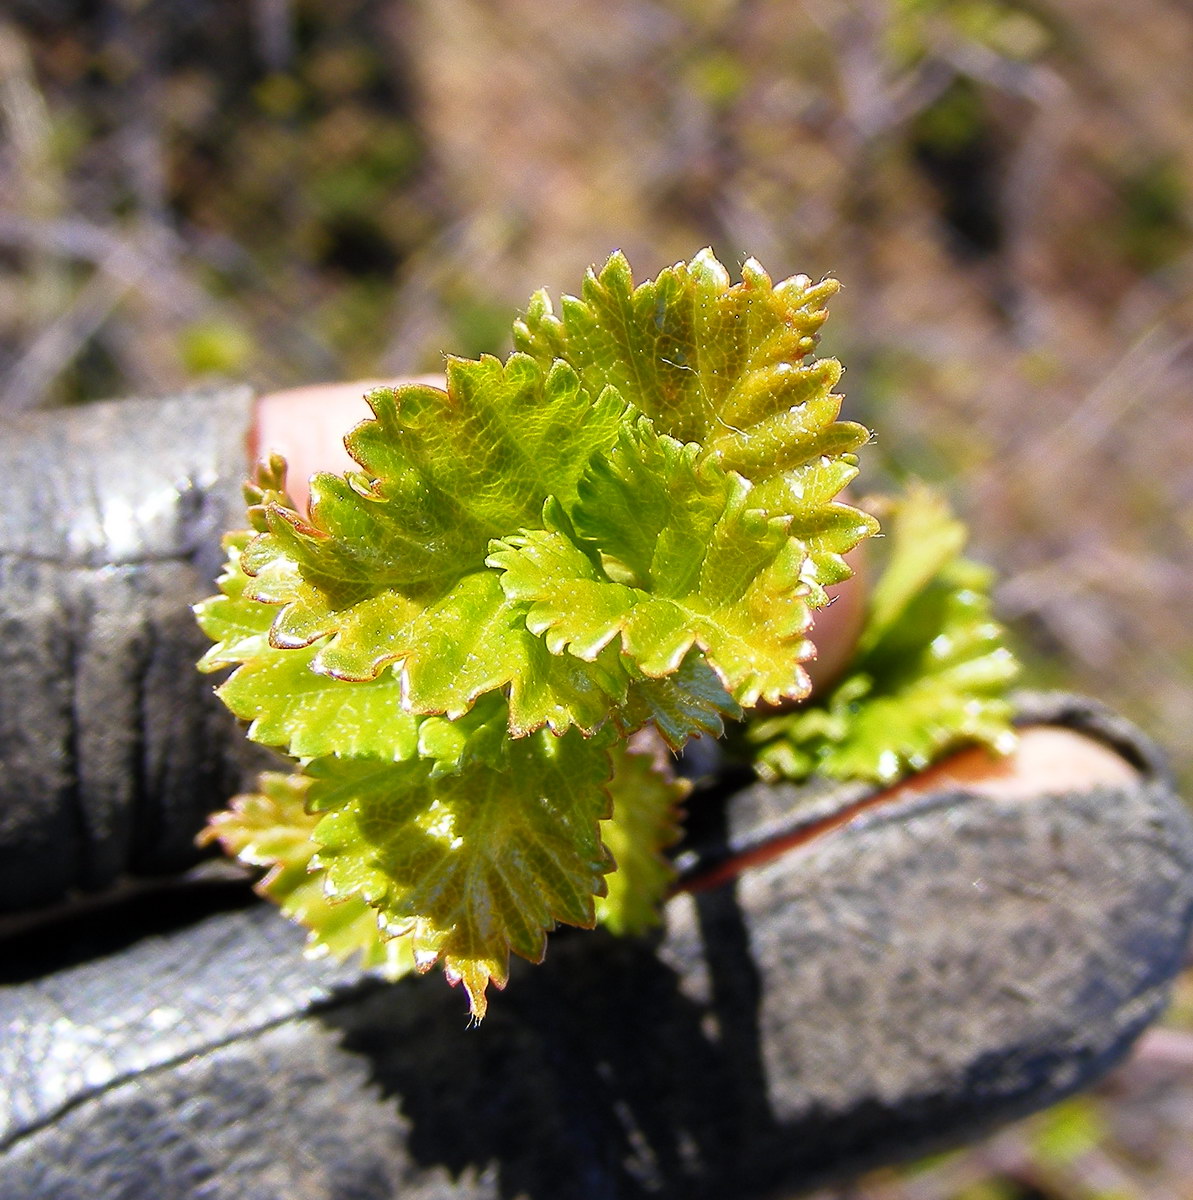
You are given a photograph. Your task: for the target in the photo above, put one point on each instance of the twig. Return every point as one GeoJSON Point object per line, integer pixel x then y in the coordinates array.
{"type": "Point", "coordinates": [275, 32]}
{"type": "Point", "coordinates": [57, 345]}
{"type": "Point", "coordinates": [130, 259]}
{"type": "Point", "coordinates": [33, 180]}
{"type": "Point", "coordinates": [67, 236]}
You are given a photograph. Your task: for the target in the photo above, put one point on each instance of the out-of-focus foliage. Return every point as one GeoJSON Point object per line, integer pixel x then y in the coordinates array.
{"type": "Point", "coordinates": [204, 188]}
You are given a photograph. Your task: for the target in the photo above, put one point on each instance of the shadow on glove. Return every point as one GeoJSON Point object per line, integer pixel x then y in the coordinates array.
{"type": "Point", "coordinates": [936, 966]}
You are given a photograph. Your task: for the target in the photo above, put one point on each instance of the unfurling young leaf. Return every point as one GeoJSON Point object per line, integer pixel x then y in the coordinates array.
{"type": "Point", "coordinates": [682, 560]}
{"type": "Point", "coordinates": [284, 701]}
{"type": "Point", "coordinates": [644, 823]}
{"type": "Point", "coordinates": [726, 367]}
{"type": "Point", "coordinates": [272, 828]}
{"type": "Point", "coordinates": [388, 570]}
{"type": "Point", "coordinates": [931, 670]}
{"type": "Point", "coordinates": [473, 864]}
{"type": "Point", "coordinates": [623, 531]}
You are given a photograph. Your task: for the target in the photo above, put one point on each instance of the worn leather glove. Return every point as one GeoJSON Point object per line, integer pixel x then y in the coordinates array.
{"type": "Point", "coordinates": [903, 975]}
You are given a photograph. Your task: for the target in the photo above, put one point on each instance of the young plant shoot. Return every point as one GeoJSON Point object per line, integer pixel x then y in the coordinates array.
{"type": "Point", "coordinates": [930, 671]}
{"type": "Point", "coordinates": [622, 533]}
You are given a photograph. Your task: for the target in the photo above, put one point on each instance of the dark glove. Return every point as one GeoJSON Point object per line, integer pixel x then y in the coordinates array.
{"type": "Point", "coordinates": [937, 965]}
{"type": "Point", "coordinates": [112, 746]}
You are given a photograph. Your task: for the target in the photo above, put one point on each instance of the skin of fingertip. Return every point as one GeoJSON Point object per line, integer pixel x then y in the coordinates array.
{"type": "Point", "coordinates": [837, 627]}
{"type": "Point", "coordinates": [1046, 760]}
{"type": "Point", "coordinates": [307, 425]}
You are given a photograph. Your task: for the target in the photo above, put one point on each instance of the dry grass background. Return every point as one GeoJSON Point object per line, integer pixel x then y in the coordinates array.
{"type": "Point", "coordinates": [292, 190]}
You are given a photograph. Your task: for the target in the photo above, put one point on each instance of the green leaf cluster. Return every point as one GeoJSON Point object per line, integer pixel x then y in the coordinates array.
{"type": "Point", "coordinates": [626, 525]}
{"type": "Point", "coordinates": [931, 671]}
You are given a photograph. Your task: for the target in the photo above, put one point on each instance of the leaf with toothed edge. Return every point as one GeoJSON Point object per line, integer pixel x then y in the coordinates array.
{"type": "Point", "coordinates": [931, 672]}
{"type": "Point", "coordinates": [271, 828]}
{"type": "Point", "coordinates": [724, 366]}
{"type": "Point", "coordinates": [475, 864]}
{"type": "Point", "coordinates": [389, 566]}
{"type": "Point", "coordinates": [682, 559]}
{"type": "Point", "coordinates": [285, 702]}
{"type": "Point", "coordinates": [645, 822]}
{"type": "Point", "coordinates": [624, 526]}
{"type": "Point", "coordinates": [288, 704]}
{"type": "Point", "coordinates": [691, 701]}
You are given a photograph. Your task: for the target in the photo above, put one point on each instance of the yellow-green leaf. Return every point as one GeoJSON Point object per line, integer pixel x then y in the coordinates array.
{"type": "Point", "coordinates": [388, 568]}
{"type": "Point", "coordinates": [474, 864]}
{"type": "Point", "coordinates": [645, 822]}
{"type": "Point", "coordinates": [726, 366]}
{"type": "Point", "coordinates": [285, 702]}
{"type": "Point", "coordinates": [271, 828]}
{"type": "Point", "coordinates": [931, 674]}
{"type": "Point", "coordinates": [681, 560]}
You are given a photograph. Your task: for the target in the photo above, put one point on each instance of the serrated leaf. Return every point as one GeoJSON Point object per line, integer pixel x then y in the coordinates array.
{"type": "Point", "coordinates": [691, 701]}
{"type": "Point", "coordinates": [389, 566]}
{"type": "Point", "coordinates": [932, 673]}
{"type": "Point", "coordinates": [645, 822]}
{"type": "Point", "coordinates": [480, 736]}
{"type": "Point", "coordinates": [235, 625]}
{"type": "Point", "coordinates": [441, 472]}
{"type": "Point", "coordinates": [724, 366]}
{"type": "Point", "coordinates": [311, 715]}
{"type": "Point", "coordinates": [527, 549]}
{"type": "Point", "coordinates": [928, 538]}
{"type": "Point", "coordinates": [475, 641]}
{"type": "Point", "coordinates": [285, 702]}
{"type": "Point", "coordinates": [385, 580]}
{"type": "Point", "coordinates": [271, 828]}
{"type": "Point", "coordinates": [682, 560]}
{"type": "Point", "coordinates": [473, 864]}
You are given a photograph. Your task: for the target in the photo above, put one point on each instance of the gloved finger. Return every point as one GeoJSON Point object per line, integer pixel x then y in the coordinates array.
{"type": "Point", "coordinates": [938, 964]}
{"type": "Point", "coordinates": [113, 746]}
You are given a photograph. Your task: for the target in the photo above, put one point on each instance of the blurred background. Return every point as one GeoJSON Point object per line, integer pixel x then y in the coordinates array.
{"type": "Point", "coordinates": [288, 191]}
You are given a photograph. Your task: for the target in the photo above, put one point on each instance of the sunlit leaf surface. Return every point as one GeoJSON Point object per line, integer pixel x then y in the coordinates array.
{"type": "Point", "coordinates": [645, 822]}
{"type": "Point", "coordinates": [728, 367]}
{"type": "Point", "coordinates": [625, 526]}
{"type": "Point", "coordinates": [683, 560]}
{"type": "Point", "coordinates": [388, 567]}
{"type": "Point", "coordinates": [474, 864]}
{"type": "Point", "coordinates": [932, 671]}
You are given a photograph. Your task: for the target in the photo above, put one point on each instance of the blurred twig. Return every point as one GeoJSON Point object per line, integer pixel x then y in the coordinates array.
{"type": "Point", "coordinates": [122, 264]}
{"type": "Point", "coordinates": [56, 345]}
{"type": "Point", "coordinates": [275, 32]}
{"type": "Point", "coordinates": [35, 186]}
{"type": "Point", "coordinates": [1131, 380]}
